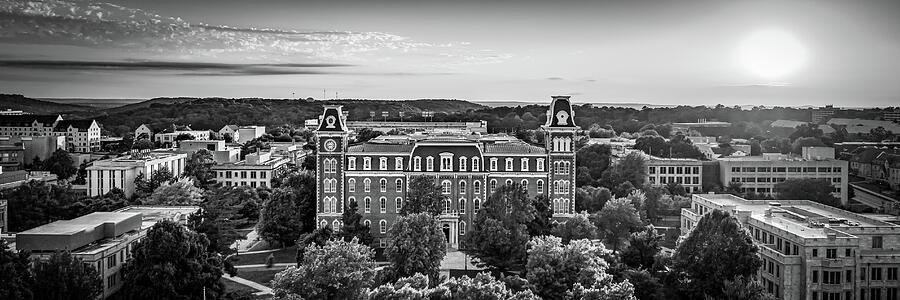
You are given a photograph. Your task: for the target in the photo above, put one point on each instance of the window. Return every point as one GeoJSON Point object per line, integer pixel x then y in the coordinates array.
{"type": "Point", "coordinates": [540, 164]}
{"type": "Point", "coordinates": [383, 185]}
{"type": "Point", "coordinates": [367, 204]}
{"type": "Point", "coordinates": [831, 253]}
{"type": "Point", "coordinates": [446, 162]}
{"type": "Point", "coordinates": [398, 163]}
{"type": "Point", "coordinates": [876, 274]}
{"type": "Point", "coordinates": [493, 185]}
{"type": "Point", "coordinates": [493, 164]}
{"type": "Point", "coordinates": [524, 164]}
{"type": "Point", "coordinates": [540, 186]}
{"type": "Point", "coordinates": [462, 187]}
{"type": "Point", "coordinates": [815, 276]}
{"type": "Point", "coordinates": [509, 182]}
{"type": "Point", "coordinates": [462, 227]}
{"type": "Point", "coordinates": [892, 273]}
{"type": "Point", "coordinates": [336, 225]}
{"type": "Point", "coordinates": [382, 226]}
{"type": "Point", "coordinates": [429, 163]}
{"type": "Point", "coordinates": [462, 163]}
{"type": "Point", "coordinates": [417, 163]}
{"type": "Point", "coordinates": [476, 205]}
{"type": "Point", "coordinates": [399, 203]}
{"type": "Point", "coordinates": [462, 205]}
{"type": "Point", "coordinates": [476, 187]}
{"type": "Point", "coordinates": [815, 252]}
{"type": "Point", "coordinates": [476, 164]}
{"type": "Point", "coordinates": [399, 183]}
{"type": "Point", "coordinates": [525, 185]}
{"type": "Point", "coordinates": [509, 164]}
{"type": "Point", "coordinates": [382, 205]}
{"type": "Point", "coordinates": [351, 185]}
{"type": "Point", "coordinates": [367, 163]}
{"type": "Point", "coordinates": [448, 206]}
{"type": "Point", "coordinates": [382, 163]}
{"type": "Point", "coordinates": [367, 185]}
{"type": "Point", "coordinates": [877, 242]}
{"type": "Point", "coordinates": [446, 187]}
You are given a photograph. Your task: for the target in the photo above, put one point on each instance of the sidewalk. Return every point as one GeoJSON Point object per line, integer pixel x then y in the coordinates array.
{"type": "Point", "coordinates": [263, 290]}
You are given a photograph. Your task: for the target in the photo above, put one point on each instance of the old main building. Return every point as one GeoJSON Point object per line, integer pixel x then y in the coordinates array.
{"type": "Point", "coordinates": [468, 167]}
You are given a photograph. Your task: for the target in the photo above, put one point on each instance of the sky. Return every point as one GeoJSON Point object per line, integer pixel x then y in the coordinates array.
{"type": "Point", "coordinates": [693, 52]}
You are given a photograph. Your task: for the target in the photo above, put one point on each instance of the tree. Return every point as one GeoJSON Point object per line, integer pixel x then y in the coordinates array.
{"type": "Point", "coordinates": [417, 245]}
{"type": "Point", "coordinates": [63, 276]}
{"type": "Point", "coordinates": [576, 228]}
{"type": "Point", "coordinates": [303, 185]}
{"type": "Point", "coordinates": [745, 288]}
{"type": "Point", "coordinates": [337, 270]}
{"type": "Point", "coordinates": [280, 218]}
{"type": "Point", "coordinates": [353, 227]}
{"type": "Point", "coordinates": [36, 203]}
{"type": "Point", "coordinates": [595, 158]}
{"type": "Point", "coordinates": [554, 269]}
{"type": "Point", "coordinates": [61, 164]}
{"type": "Point", "coordinates": [815, 189]}
{"type": "Point", "coordinates": [16, 279]}
{"type": "Point", "coordinates": [591, 199]}
{"type": "Point", "coordinates": [483, 286]}
{"type": "Point", "coordinates": [180, 192]}
{"type": "Point", "coordinates": [172, 262]}
{"type": "Point", "coordinates": [319, 237]}
{"type": "Point", "coordinates": [143, 144]}
{"type": "Point", "coordinates": [879, 134]}
{"type": "Point", "coordinates": [81, 174]}
{"type": "Point", "coordinates": [221, 212]}
{"type": "Point", "coordinates": [616, 221]}
{"type": "Point", "coordinates": [423, 196]}
{"type": "Point", "coordinates": [184, 137]}
{"type": "Point", "coordinates": [200, 166]}
{"type": "Point", "coordinates": [716, 250]}
{"type": "Point", "coordinates": [366, 134]}
{"type": "Point", "coordinates": [643, 246]}
{"type": "Point", "coordinates": [631, 169]}
{"type": "Point", "coordinates": [800, 143]}
{"type": "Point", "coordinates": [144, 187]}
{"type": "Point", "coordinates": [500, 231]}
{"type": "Point", "coordinates": [112, 200]}
{"type": "Point", "coordinates": [542, 223]}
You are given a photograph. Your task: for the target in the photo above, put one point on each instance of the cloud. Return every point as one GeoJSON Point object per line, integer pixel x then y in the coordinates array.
{"type": "Point", "coordinates": [111, 26]}
{"type": "Point", "coordinates": [554, 78]}
{"type": "Point", "coordinates": [187, 68]}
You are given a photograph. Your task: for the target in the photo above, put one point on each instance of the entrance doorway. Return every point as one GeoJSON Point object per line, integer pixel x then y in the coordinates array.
{"type": "Point", "coordinates": [446, 228]}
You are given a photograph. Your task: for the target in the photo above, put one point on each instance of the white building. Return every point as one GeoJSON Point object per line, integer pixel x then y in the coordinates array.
{"type": "Point", "coordinates": [760, 174]}
{"type": "Point", "coordinates": [248, 133]}
{"type": "Point", "coordinates": [168, 138]}
{"type": "Point", "coordinates": [257, 170]}
{"type": "Point", "coordinates": [220, 152]}
{"type": "Point", "coordinates": [230, 130]}
{"type": "Point", "coordinates": [143, 130]}
{"type": "Point", "coordinates": [81, 135]}
{"type": "Point", "coordinates": [104, 175]}
{"type": "Point", "coordinates": [684, 171]}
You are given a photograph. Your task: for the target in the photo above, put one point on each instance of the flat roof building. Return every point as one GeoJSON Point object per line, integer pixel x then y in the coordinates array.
{"type": "Point", "coordinates": [811, 250]}
{"type": "Point", "coordinates": [105, 175]}
{"type": "Point", "coordinates": [684, 171]}
{"type": "Point", "coordinates": [256, 170]}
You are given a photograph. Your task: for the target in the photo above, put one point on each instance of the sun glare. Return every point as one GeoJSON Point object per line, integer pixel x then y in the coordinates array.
{"type": "Point", "coordinates": [772, 54]}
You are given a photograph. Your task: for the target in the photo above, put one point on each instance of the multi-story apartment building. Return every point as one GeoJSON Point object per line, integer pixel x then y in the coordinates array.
{"type": "Point", "coordinates": [28, 125]}
{"type": "Point", "coordinates": [102, 240]}
{"type": "Point", "coordinates": [810, 250]}
{"type": "Point", "coordinates": [105, 175]}
{"type": "Point", "coordinates": [12, 156]}
{"type": "Point", "coordinates": [684, 171]}
{"type": "Point", "coordinates": [81, 135]}
{"type": "Point", "coordinates": [468, 168]}
{"type": "Point", "coordinates": [256, 170]}
{"type": "Point", "coordinates": [760, 174]}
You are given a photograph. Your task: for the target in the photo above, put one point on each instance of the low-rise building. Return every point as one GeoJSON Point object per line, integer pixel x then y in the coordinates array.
{"type": "Point", "coordinates": [810, 250]}
{"type": "Point", "coordinates": [684, 171]}
{"type": "Point", "coordinates": [12, 156]}
{"type": "Point", "coordinates": [102, 240]}
{"type": "Point", "coordinates": [822, 114]}
{"type": "Point", "coordinates": [248, 133]}
{"type": "Point", "coordinates": [877, 164]}
{"type": "Point", "coordinates": [220, 152]}
{"type": "Point", "coordinates": [431, 127]}
{"type": "Point", "coordinates": [105, 175]}
{"type": "Point", "coordinates": [81, 135]}
{"type": "Point", "coordinates": [169, 138]}
{"type": "Point", "coordinates": [760, 174]}
{"type": "Point", "coordinates": [143, 132]}
{"type": "Point", "coordinates": [256, 170]}
{"type": "Point", "coordinates": [230, 131]}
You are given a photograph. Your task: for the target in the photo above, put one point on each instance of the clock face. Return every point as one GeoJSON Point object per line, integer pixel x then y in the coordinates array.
{"type": "Point", "coordinates": [330, 145]}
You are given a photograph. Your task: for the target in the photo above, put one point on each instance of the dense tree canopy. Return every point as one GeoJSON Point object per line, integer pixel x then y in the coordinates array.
{"type": "Point", "coordinates": [815, 189]}
{"type": "Point", "coordinates": [352, 226]}
{"type": "Point", "coordinates": [423, 195]}
{"type": "Point", "coordinates": [63, 276]}
{"type": "Point", "coordinates": [337, 270]}
{"type": "Point", "coordinates": [417, 245]}
{"type": "Point", "coordinates": [61, 164]}
{"type": "Point", "coordinates": [576, 227]}
{"type": "Point", "coordinates": [554, 269]}
{"type": "Point", "coordinates": [483, 286]}
{"type": "Point", "coordinates": [616, 221]}
{"type": "Point", "coordinates": [16, 279]}
{"type": "Point", "coordinates": [281, 219]}
{"type": "Point", "coordinates": [500, 232]}
{"type": "Point", "coordinates": [595, 158]}
{"type": "Point", "coordinates": [199, 167]}
{"type": "Point", "coordinates": [179, 192]}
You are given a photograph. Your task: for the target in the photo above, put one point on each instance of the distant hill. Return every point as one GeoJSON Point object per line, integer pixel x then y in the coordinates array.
{"type": "Point", "coordinates": [92, 102]}
{"type": "Point", "coordinates": [213, 113]}
{"type": "Point", "coordinates": [39, 107]}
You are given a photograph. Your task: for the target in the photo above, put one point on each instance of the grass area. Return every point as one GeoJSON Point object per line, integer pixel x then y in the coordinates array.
{"type": "Point", "coordinates": [231, 286]}
{"type": "Point", "coordinates": [263, 277]}
{"type": "Point", "coordinates": [284, 255]}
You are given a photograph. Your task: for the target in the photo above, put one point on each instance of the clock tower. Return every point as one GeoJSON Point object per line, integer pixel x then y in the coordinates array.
{"type": "Point", "coordinates": [331, 146]}
{"type": "Point", "coordinates": [559, 140]}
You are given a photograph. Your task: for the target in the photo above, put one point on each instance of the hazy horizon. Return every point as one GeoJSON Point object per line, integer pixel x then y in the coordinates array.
{"type": "Point", "coordinates": [698, 52]}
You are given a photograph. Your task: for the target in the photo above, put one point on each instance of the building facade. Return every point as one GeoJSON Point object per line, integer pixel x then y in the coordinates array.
{"type": "Point", "coordinates": [810, 250]}
{"type": "Point", "coordinates": [168, 138]}
{"type": "Point", "coordinates": [760, 174]}
{"type": "Point", "coordinates": [247, 133]}
{"type": "Point", "coordinates": [684, 171]}
{"type": "Point", "coordinates": [256, 170]}
{"type": "Point", "coordinates": [467, 168]}
{"type": "Point", "coordinates": [28, 125]}
{"type": "Point", "coordinates": [143, 131]}
{"type": "Point", "coordinates": [81, 135]}
{"type": "Point", "coordinates": [105, 175]}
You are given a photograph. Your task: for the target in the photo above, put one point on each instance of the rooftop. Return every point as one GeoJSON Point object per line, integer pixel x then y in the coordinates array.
{"type": "Point", "coordinates": [153, 214]}
{"type": "Point", "coordinates": [513, 148]}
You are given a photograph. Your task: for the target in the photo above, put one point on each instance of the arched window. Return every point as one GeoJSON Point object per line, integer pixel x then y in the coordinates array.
{"type": "Point", "coordinates": [555, 205]}
{"type": "Point", "coordinates": [476, 205]}
{"type": "Point", "coordinates": [417, 163]}
{"type": "Point", "coordinates": [382, 205]}
{"type": "Point", "coordinates": [476, 186]}
{"type": "Point", "coordinates": [351, 185]}
{"type": "Point", "coordinates": [367, 204]}
{"type": "Point", "coordinates": [540, 186]}
{"type": "Point", "coordinates": [334, 204]}
{"type": "Point", "coordinates": [462, 227]}
{"type": "Point", "coordinates": [382, 163]}
{"type": "Point", "coordinates": [323, 224]}
{"type": "Point", "coordinates": [383, 185]}
{"type": "Point", "coordinates": [353, 201]}
{"type": "Point", "coordinates": [351, 163]}
{"type": "Point", "coordinates": [446, 187]}
{"type": "Point", "coordinates": [524, 164]}
{"type": "Point", "coordinates": [399, 183]}
{"type": "Point", "coordinates": [367, 185]}
{"type": "Point", "coordinates": [327, 205]}
{"type": "Point", "coordinates": [462, 163]}
{"type": "Point", "coordinates": [399, 203]}
{"type": "Point", "coordinates": [382, 226]}
{"type": "Point", "coordinates": [462, 187]}
{"type": "Point", "coordinates": [448, 206]}
{"type": "Point", "coordinates": [367, 163]}
{"type": "Point", "coordinates": [429, 163]}
{"type": "Point", "coordinates": [367, 223]}
{"type": "Point", "coordinates": [462, 205]}
{"type": "Point", "coordinates": [493, 185]}
{"type": "Point", "coordinates": [509, 182]}
{"type": "Point", "coordinates": [525, 184]}
{"type": "Point", "coordinates": [336, 225]}
{"type": "Point", "coordinates": [476, 164]}
{"type": "Point", "coordinates": [556, 187]}
{"type": "Point", "coordinates": [540, 164]}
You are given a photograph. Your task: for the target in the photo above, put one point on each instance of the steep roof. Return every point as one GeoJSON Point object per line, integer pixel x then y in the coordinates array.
{"type": "Point", "coordinates": [81, 125]}
{"type": "Point", "coordinates": [513, 148]}
{"type": "Point", "coordinates": [27, 120]}
{"type": "Point", "coordinates": [380, 148]}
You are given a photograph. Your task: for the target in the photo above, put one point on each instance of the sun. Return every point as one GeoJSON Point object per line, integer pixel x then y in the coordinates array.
{"type": "Point", "coordinates": [772, 53]}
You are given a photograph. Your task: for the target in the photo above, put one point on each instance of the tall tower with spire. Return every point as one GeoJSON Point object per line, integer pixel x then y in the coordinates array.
{"type": "Point", "coordinates": [559, 140]}
{"type": "Point", "coordinates": [332, 138]}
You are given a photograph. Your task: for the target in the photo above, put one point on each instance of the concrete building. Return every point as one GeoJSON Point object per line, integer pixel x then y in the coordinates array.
{"type": "Point", "coordinates": [290, 150]}
{"type": "Point", "coordinates": [103, 240]}
{"type": "Point", "coordinates": [144, 131]}
{"type": "Point", "coordinates": [168, 138]}
{"type": "Point", "coordinates": [893, 116]}
{"type": "Point", "coordinates": [862, 127]}
{"type": "Point", "coordinates": [760, 174]}
{"type": "Point", "coordinates": [81, 135]}
{"type": "Point", "coordinates": [4, 216]}
{"type": "Point", "coordinates": [684, 171]}
{"type": "Point", "coordinates": [248, 133]}
{"type": "Point", "coordinates": [256, 170]}
{"type": "Point", "coordinates": [468, 168]}
{"type": "Point", "coordinates": [810, 250]}
{"type": "Point", "coordinates": [822, 114]}
{"type": "Point", "coordinates": [10, 112]}
{"type": "Point", "coordinates": [104, 175]}
{"type": "Point", "coordinates": [220, 152]}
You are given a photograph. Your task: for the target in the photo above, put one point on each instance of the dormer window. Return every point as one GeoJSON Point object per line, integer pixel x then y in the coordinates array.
{"type": "Point", "coordinates": [524, 166]}
{"type": "Point", "coordinates": [540, 164]}
{"type": "Point", "coordinates": [493, 164]}
{"type": "Point", "coordinates": [382, 163]}
{"type": "Point", "coordinates": [417, 163]}
{"type": "Point", "coordinates": [462, 163]}
{"type": "Point", "coordinates": [446, 161]}
{"type": "Point", "coordinates": [398, 163]}
{"type": "Point", "coordinates": [509, 164]}
{"type": "Point", "coordinates": [476, 164]}
{"type": "Point", "coordinates": [367, 163]}
{"type": "Point", "coordinates": [429, 163]}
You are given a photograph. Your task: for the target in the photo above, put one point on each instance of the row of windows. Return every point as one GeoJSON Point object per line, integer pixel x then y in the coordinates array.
{"type": "Point", "coordinates": [446, 186]}
{"type": "Point", "coordinates": [561, 206]}
{"type": "Point", "coordinates": [244, 183]}
{"type": "Point", "coordinates": [775, 179]}
{"type": "Point", "coordinates": [329, 166]}
{"type": "Point", "coordinates": [876, 273]}
{"type": "Point", "coordinates": [675, 170]}
{"type": "Point", "coordinates": [676, 179]}
{"type": "Point", "coordinates": [367, 185]}
{"type": "Point", "coordinates": [382, 227]}
{"type": "Point", "coordinates": [786, 169]}
{"type": "Point", "coordinates": [562, 144]}
{"type": "Point", "coordinates": [243, 174]}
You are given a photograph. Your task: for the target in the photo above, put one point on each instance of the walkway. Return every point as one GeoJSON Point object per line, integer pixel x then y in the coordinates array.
{"type": "Point", "coordinates": [248, 243]}
{"type": "Point", "coordinates": [262, 290]}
